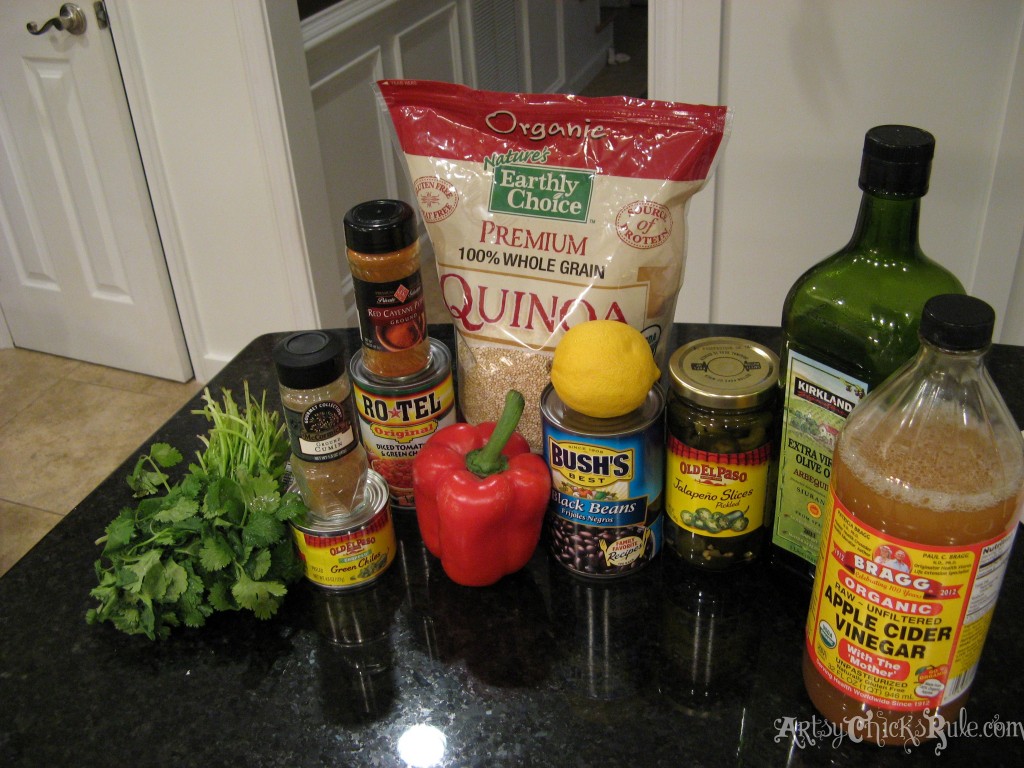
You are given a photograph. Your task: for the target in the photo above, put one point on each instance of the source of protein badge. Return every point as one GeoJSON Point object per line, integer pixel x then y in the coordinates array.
{"type": "Point", "coordinates": [546, 211]}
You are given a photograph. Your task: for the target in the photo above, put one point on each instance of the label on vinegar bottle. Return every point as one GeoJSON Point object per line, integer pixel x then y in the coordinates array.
{"type": "Point", "coordinates": [817, 400]}
{"type": "Point", "coordinates": [898, 625]}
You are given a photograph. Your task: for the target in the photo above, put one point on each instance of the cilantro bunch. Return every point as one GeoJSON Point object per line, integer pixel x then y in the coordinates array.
{"type": "Point", "coordinates": [216, 540]}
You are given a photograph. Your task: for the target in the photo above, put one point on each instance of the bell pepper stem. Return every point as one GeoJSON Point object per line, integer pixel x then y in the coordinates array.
{"type": "Point", "coordinates": [489, 460]}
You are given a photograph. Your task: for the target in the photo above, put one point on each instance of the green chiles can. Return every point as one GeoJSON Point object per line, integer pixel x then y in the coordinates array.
{"type": "Point", "coordinates": [718, 478]}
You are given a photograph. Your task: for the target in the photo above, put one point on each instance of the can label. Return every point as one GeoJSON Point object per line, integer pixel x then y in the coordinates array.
{"type": "Point", "coordinates": [716, 494]}
{"type": "Point", "coordinates": [900, 625]}
{"type": "Point", "coordinates": [605, 517]}
{"type": "Point", "coordinates": [348, 557]}
{"type": "Point", "coordinates": [394, 427]}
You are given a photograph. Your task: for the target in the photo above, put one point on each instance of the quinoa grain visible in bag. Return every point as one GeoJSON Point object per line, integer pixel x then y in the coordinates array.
{"type": "Point", "coordinates": [548, 210]}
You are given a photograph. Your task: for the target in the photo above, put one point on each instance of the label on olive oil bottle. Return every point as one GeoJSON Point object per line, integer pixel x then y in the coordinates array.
{"type": "Point", "coordinates": [817, 401]}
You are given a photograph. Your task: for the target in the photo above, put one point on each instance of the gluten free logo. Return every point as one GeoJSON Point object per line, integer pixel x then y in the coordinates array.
{"type": "Point", "coordinates": [438, 198]}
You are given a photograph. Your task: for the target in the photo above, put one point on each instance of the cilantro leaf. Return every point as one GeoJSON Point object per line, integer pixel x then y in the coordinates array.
{"type": "Point", "coordinates": [216, 553]}
{"type": "Point", "coordinates": [261, 597]}
{"type": "Point", "coordinates": [119, 531]}
{"type": "Point", "coordinates": [140, 567]}
{"type": "Point", "coordinates": [177, 581]}
{"type": "Point", "coordinates": [262, 530]}
{"type": "Point", "coordinates": [180, 509]}
{"type": "Point", "coordinates": [259, 565]}
{"type": "Point", "coordinates": [165, 455]}
{"type": "Point", "coordinates": [221, 598]}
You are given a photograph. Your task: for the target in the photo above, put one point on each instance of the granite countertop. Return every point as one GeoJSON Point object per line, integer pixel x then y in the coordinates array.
{"type": "Point", "coordinates": [662, 668]}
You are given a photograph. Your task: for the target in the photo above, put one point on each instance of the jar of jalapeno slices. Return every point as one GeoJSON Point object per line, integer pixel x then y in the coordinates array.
{"type": "Point", "coordinates": [721, 417]}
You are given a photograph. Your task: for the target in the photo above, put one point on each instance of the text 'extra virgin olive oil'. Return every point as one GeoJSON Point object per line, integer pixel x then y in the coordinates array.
{"type": "Point", "coordinates": [848, 323]}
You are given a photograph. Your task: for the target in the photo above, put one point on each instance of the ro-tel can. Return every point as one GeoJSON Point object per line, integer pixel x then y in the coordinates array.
{"type": "Point", "coordinates": [353, 551]}
{"type": "Point", "coordinates": [607, 477]}
{"type": "Point", "coordinates": [718, 477]}
{"type": "Point", "coordinates": [398, 415]}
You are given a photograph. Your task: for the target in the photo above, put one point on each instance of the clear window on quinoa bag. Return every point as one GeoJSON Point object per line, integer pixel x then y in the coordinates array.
{"type": "Point", "coordinates": [546, 210]}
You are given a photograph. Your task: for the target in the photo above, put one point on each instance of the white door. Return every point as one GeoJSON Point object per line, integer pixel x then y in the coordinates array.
{"type": "Point", "coordinates": [82, 272]}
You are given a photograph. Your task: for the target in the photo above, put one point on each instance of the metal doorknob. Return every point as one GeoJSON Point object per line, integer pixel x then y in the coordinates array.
{"type": "Point", "coordinates": [71, 19]}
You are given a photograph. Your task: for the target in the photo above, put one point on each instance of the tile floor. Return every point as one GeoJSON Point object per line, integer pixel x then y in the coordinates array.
{"type": "Point", "coordinates": [64, 426]}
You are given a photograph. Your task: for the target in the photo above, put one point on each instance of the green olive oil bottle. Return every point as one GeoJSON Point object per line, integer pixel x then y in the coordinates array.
{"type": "Point", "coordinates": [848, 323]}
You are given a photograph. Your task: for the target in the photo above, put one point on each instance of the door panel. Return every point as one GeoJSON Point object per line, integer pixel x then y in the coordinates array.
{"type": "Point", "coordinates": [82, 272]}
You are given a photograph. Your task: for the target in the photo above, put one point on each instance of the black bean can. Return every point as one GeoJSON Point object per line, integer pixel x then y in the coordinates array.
{"type": "Point", "coordinates": [607, 484]}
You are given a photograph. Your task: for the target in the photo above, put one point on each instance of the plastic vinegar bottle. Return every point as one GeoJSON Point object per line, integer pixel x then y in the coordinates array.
{"type": "Point", "coordinates": [926, 493]}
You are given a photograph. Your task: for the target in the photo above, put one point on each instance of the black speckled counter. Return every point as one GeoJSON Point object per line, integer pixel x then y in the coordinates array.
{"type": "Point", "coordinates": [661, 669]}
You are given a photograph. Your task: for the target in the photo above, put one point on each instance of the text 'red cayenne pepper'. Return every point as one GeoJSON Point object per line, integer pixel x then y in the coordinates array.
{"type": "Point", "coordinates": [384, 258]}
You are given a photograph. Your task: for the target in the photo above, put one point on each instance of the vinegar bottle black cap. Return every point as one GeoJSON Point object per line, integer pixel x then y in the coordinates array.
{"type": "Point", "coordinates": [380, 226]}
{"type": "Point", "coordinates": [897, 161]}
{"type": "Point", "coordinates": [957, 323]}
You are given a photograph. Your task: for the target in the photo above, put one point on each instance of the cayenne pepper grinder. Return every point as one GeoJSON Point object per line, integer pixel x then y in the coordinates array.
{"type": "Point", "coordinates": [384, 258]}
{"type": "Point", "coordinates": [328, 461]}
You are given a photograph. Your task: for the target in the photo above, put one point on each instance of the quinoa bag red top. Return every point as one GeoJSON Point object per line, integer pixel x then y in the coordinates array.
{"type": "Point", "coordinates": [546, 210]}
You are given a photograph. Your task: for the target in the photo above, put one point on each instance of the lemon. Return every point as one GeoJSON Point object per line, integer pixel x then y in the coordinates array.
{"type": "Point", "coordinates": [603, 368]}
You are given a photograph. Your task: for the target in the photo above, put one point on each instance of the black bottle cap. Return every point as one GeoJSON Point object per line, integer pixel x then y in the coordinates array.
{"type": "Point", "coordinates": [380, 226]}
{"type": "Point", "coordinates": [957, 323]}
{"type": "Point", "coordinates": [309, 359]}
{"type": "Point", "coordinates": [897, 161]}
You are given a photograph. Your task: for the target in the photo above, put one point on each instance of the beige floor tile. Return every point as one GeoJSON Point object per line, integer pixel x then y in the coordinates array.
{"type": "Point", "coordinates": [20, 529]}
{"type": "Point", "coordinates": [61, 447]}
{"type": "Point", "coordinates": [26, 376]}
{"type": "Point", "coordinates": [89, 373]}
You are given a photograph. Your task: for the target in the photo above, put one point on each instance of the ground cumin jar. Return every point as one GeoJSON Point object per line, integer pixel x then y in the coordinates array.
{"type": "Point", "coordinates": [718, 498]}
{"type": "Point", "coordinates": [328, 462]}
{"type": "Point", "coordinates": [384, 258]}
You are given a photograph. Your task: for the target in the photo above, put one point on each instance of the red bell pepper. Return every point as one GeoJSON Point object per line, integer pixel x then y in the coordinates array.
{"type": "Point", "coordinates": [481, 496]}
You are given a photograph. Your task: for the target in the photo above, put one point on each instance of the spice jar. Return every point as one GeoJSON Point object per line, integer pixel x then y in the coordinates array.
{"type": "Point", "coordinates": [718, 473]}
{"type": "Point", "coordinates": [384, 258]}
{"type": "Point", "coordinates": [328, 461]}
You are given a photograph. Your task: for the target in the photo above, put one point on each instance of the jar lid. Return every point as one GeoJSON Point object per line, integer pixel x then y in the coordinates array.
{"type": "Point", "coordinates": [308, 359]}
{"type": "Point", "coordinates": [380, 226]}
{"type": "Point", "coordinates": [724, 372]}
{"type": "Point", "coordinates": [897, 161]}
{"type": "Point", "coordinates": [957, 323]}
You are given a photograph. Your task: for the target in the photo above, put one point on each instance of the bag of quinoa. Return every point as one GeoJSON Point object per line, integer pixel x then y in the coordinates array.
{"type": "Point", "coordinates": [546, 210]}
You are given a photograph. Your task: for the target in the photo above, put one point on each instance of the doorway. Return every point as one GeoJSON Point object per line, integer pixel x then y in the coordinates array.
{"type": "Point", "coordinates": [82, 270]}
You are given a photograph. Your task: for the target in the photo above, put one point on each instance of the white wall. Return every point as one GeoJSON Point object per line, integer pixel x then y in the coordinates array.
{"type": "Point", "coordinates": [806, 79]}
